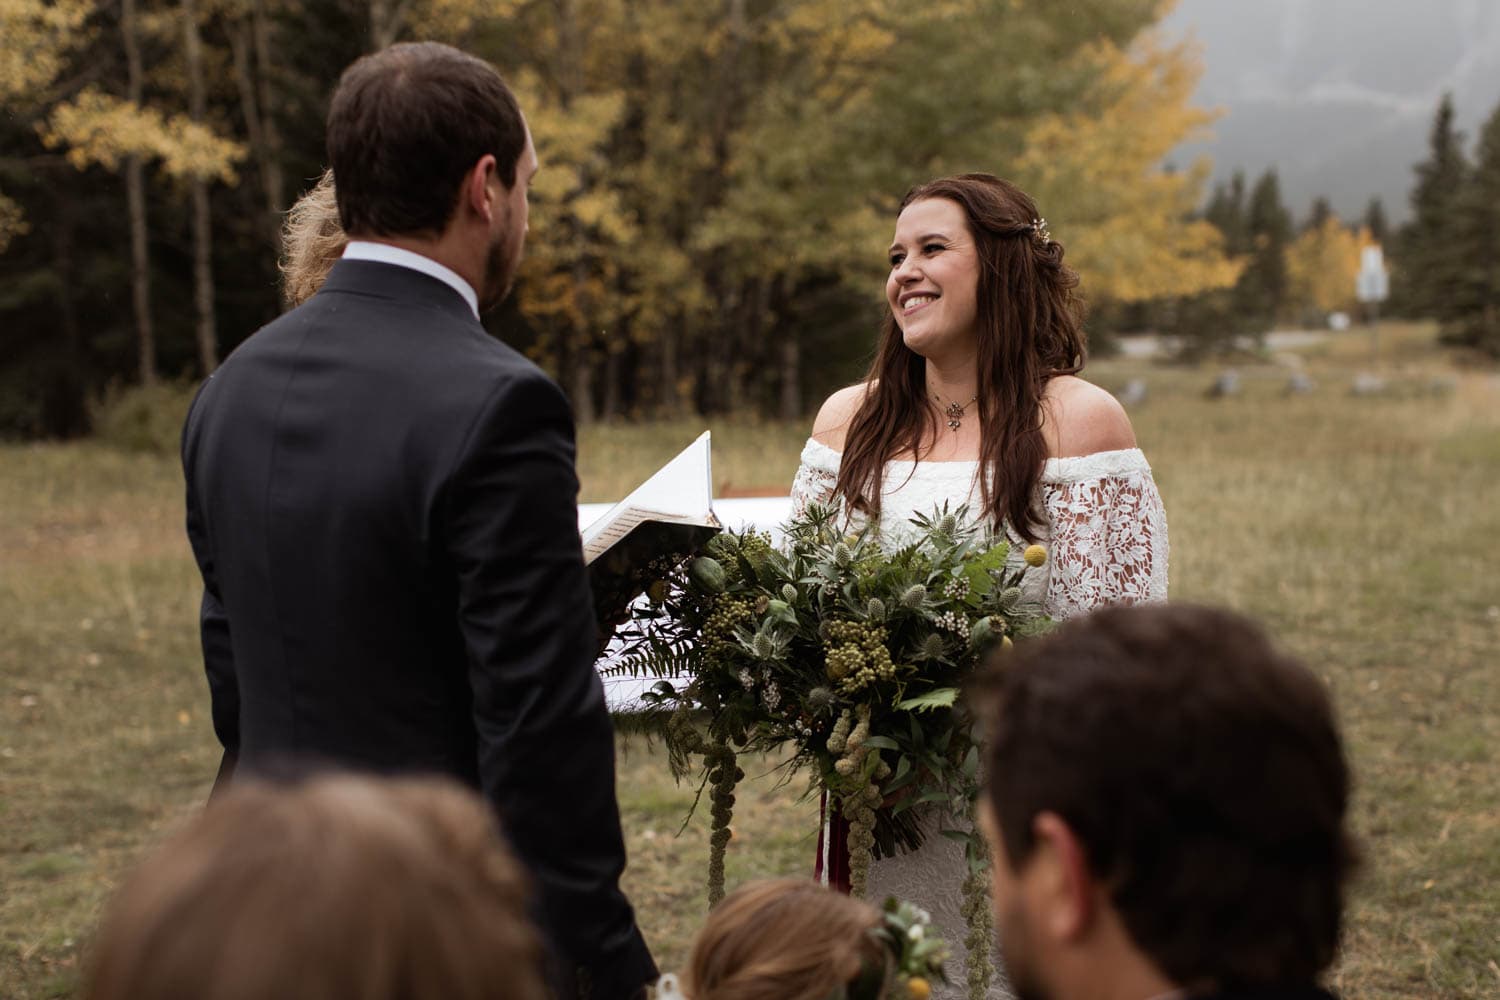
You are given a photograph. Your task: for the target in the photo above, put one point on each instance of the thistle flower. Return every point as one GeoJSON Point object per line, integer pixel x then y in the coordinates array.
{"type": "Point", "coordinates": [762, 647]}
{"type": "Point", "coordinates": [914, 596]}
{"type": "Point", "coordinates": [842, 555]}
{"type": "Point", "coordinates": [1035, 555]}
{"type": "Point", "coordinates": [789, 593]}
{"type": "Point", "coordinates": [875, 609]}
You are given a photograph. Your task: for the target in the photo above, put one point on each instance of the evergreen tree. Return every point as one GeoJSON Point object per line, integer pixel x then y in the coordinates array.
{"type": "Point", "coordinates": [1320, 213]}
{"type": "Point", "coordinates": [1429, 265]}
{"type": "Point", "coordinates": [1226, 210]}
{"type": "Point", "coordinates": [1474, 309]}
{"type": "Point", "coordinates": [1208, 323]}
{"type": "Point", "coordinates": [1262, 289]}
{"type": "Point", "coordinates": [1375, 222]}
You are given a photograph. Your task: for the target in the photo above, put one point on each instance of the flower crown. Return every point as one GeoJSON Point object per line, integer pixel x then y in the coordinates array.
{"type": "Point", "coordinates": [909, 956]}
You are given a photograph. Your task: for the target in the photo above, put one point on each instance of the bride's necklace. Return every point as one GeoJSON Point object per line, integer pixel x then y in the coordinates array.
{"type": "Point", "coordinates": [953, 411]}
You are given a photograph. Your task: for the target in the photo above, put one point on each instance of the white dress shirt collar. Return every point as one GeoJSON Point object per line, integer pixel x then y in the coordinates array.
{"type": "Point", "coordinates": [384, 253]}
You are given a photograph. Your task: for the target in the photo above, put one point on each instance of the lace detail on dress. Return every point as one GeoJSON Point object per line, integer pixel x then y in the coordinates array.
{"type": "Point", "coordinates": [1109, 542]}
{"type": "Point", "coordinates": [1105, 529]}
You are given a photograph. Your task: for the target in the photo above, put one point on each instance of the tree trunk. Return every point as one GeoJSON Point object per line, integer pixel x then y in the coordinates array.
{"type": "Point", "coordinates": [791, 360]}
{"type": "Point", "coordinates": [270, 131]}
{"type": "Point", "coordinates": [135, 197]}
{"type": "Point", "coordinates": [250, 42]}
{"type": "Point", "coordinates": [791, 377]}
{"type": "Point", "coordinates": [387, 18]}
{"type": "Point", "coordinates": [203, 276]}
{"type": "Point", "coordinates": [67, 415]}
{"type": "Point", "coordinates": [613, 370]}
{"type": "Point", "coordinates": [582, 392]}
{"type": "Point", "coordinates": [669, 403]}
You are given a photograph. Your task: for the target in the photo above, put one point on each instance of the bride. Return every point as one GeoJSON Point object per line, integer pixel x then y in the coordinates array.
{"type": "Point", "coordinates": [973, 398]}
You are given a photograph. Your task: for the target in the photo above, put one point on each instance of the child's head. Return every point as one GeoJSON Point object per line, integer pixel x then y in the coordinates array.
{"type": "Point", "coordinates": [788, 939]}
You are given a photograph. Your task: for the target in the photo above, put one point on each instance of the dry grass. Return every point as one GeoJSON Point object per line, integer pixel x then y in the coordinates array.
{"type": "Point", "coordinates": [1364, 530]}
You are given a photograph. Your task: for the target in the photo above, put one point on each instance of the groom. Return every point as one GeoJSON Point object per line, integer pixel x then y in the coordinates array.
{"type": "Point", "coordinates": [382, 501]}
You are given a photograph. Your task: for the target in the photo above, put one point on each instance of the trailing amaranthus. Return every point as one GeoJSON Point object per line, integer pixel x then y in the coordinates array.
{"type": "Point", "coordinates": [860, 797]}
{"type": "Point", "coordinates": [980, 918]}
{"type": "Point", "coordinates": [723, 774]}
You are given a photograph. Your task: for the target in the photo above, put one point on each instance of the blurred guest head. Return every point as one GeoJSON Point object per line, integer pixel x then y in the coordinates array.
{"type": "Point", "coordinates": [1166, 808]}
{"type": "Point", "coordinates": [427, 144]}
{"type": "Point", "coordinates": [786, 939]}
{"type": "Point", "coordinates": [311, 240]}
{"type": "Point", "coordinates": [340, 888]}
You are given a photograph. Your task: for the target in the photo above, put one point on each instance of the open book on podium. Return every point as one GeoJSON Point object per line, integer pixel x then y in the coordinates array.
{"type": "Point", "coordinates": [666, 519]}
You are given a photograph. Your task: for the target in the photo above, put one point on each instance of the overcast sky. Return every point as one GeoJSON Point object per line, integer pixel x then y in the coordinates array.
{"type": "Point", "coordinates": [1338, 95]}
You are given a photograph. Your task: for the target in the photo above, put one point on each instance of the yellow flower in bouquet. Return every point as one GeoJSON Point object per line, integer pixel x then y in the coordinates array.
{"type": "Point", "coordinates": [1035, 555]}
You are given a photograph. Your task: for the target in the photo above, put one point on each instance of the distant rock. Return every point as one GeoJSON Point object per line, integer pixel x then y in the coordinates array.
{"type": "Point", "coordinates": [1300, 384]}
{"type": "Point", "coordinates": [1134, 393]}
{"type": "Point", "coordinates": [1227, 384]}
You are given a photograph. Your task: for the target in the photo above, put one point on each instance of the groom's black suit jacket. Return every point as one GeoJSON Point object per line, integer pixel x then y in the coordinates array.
{"type": "Point", "coordinates": [382, 501]}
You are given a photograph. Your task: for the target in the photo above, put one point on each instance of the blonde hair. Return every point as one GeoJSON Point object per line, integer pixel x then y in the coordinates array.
{"type": "Point", "coordinates": [312, 239]}
{"type": "Point", "coordinates": [782, 939]}
{"type": "Point", "coordinates": [338, 888]}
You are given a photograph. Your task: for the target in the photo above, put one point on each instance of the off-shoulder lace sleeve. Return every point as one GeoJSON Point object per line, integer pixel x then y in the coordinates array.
{"type": "Point", "coordinates": [1109, 532]}
{"type": "Point", "coordinates": [816, 476]}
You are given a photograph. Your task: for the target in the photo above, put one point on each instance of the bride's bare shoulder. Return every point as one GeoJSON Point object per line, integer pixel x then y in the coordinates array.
{"type": "Point", "coordinates": [1079, 418]}
{"type": "Point", "coordinates": [832, 422]}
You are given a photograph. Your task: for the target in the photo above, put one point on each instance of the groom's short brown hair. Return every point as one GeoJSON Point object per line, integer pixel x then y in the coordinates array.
{"type": "Point", "coordinates": [1202, 771]}
{"type": "Point", "coordinates": [404, 127]}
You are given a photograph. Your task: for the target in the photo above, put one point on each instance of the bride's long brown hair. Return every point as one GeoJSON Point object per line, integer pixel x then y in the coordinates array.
{"type": "Point", "coordinates": [1030, 329]}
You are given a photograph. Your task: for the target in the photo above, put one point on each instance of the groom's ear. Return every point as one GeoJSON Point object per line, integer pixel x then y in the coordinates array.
{"type": "Point", "coordinates": [476, 194]}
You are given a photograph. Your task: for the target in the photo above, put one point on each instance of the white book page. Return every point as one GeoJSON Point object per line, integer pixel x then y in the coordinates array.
{"type": "Point", "coordinates": [680, 491]}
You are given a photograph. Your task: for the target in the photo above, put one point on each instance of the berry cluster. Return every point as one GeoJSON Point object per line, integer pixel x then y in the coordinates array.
{"type": "Point", "coordinates": [856, 655]}
{"type": "Point", "coordinates": [728, 614]}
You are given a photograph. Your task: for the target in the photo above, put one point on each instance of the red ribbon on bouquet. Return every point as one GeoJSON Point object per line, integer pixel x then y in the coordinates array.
{"type": "Point", "coordinates": [832, 866]}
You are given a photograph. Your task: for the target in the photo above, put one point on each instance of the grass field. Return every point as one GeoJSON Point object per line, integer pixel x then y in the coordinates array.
{"type": "Point", "coordinates": [1364, 530]}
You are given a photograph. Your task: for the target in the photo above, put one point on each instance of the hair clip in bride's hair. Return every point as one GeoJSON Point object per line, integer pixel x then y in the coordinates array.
{"type": "Point", "coordinates": [1039, 230]}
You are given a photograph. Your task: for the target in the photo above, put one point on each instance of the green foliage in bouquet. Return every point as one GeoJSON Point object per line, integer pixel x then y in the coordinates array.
{"type": "Point", "coordinates": [850, 656]}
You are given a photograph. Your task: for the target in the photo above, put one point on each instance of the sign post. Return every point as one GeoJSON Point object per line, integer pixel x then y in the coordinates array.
{"type": "Point", "coordinates": [1372, 286]}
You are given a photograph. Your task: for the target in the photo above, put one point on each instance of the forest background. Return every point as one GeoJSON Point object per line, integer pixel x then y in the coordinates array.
{"type": "Point", "coordinates": [719, 181]}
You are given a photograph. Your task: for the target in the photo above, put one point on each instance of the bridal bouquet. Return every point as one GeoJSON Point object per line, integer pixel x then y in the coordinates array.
{"type": "Point", "coordinates": [847, 655]}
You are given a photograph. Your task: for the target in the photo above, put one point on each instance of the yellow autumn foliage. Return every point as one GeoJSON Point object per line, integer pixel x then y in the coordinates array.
{"type": "Point", "coordinates": [38, 38]}
{"type": "Point", "coordinates": [1321, 267]}
{"type": "Point", "coordinates": [96, 127]}
{"type": "Point", "coordinates": [1096, 174]}
{"type": "Point", "coordinates": [12, 223]}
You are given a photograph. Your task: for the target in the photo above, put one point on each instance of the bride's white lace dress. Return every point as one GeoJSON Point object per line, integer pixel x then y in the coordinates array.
{"type": "Point", "coordinates": [1106, 540]}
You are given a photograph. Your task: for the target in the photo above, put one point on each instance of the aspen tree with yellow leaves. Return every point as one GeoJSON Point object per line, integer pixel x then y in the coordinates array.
{"type": "Point", "coordinates": [1321, 266]}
